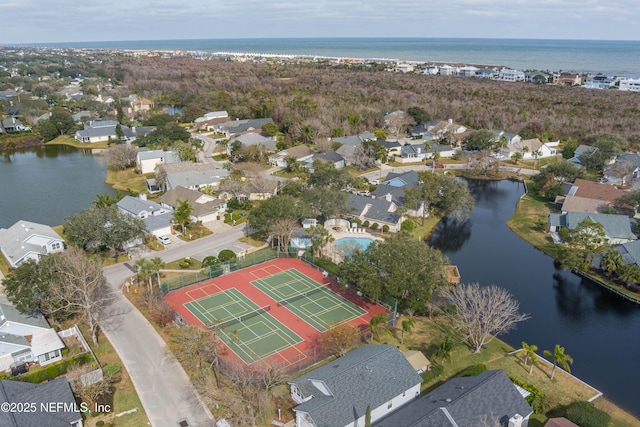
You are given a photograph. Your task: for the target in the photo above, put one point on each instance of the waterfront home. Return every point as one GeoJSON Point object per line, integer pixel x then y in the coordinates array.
{"type": "Point", "coordinates": [618, 229]}
{"type": "Point", "coordinates": [381, 211]}
{"type": "Point", "coordinates": [567, 79]}
{"type": "Point", "coordinates": [599, 82]}
{"type": "Point", "coordinates": [632, 85]}
{"type": "Point", "coordinates": [582, 152]}
{"type": "Point", "coordinates": [13, 125]}
{"type": "Point", "coordinates": [157, 218]}
{"type": "Point", "coordinates": [26, 338]}
{"type": "Point", "coordinates": [205, 208]}
{"type": "Point", "coordinates": [594, 190]}
{"type": "Point", "coordinates": [105, 130]}
{"type": "Point", "coordinates": [393, 190]}
{"type": "Point", "coordinates": [146, 161]}
{"type": "Point", "coordinates": [538, 77]}
{"type": "Point", "coordinates": [489, 399]}
{"type": "Point", "coordinates": [53, 404]}
{"type": "Point", "coordinates": [26, 240]}
{"type": "Point", "coordinates": [337, 394]}
{"type": "Point", "coordinates": [486, 73]}
{"type": "Point", "coordinates": [300, 153]}
{"type": "Point", "coordinates": [508, 75]}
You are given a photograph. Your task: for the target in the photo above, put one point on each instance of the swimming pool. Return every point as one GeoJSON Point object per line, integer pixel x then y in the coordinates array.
{"type": "Point", "coordinates": [350, 244]}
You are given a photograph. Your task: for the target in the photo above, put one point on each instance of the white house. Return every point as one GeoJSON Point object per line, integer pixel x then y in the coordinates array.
{"type": "Point", "coordinates": [530, 149]}
{"type": "Point", "coordinates": [157, 218]}
{"type": "Point", "coordinates": [507, 75]}
{"type": "Point", "coordinates": [105, 130]}
{"type": "Point", "coordinates": [26, 338]}
{"type": "Point", "coordinates": [299, 152]}
{"type": "Point", "coordinates": [26, 240]}
{"type": "Point", "coordinates": [146, 161]}
{"type": "Point", "coordinates": [632, 85]}
{"type": "Point", "coordinates": [338, 393]}
{"type": "Point", "coordinates": [205, 208]}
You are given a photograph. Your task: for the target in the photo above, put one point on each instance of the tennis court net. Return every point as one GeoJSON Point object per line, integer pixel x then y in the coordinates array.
{"type": "Point", "coordinates": [244, 317]}
{"type": "Point", "coordinates": [301, 295]}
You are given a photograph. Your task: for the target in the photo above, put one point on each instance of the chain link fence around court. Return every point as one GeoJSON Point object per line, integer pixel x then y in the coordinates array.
{"type": "Point", "coordinates": [258, 257]}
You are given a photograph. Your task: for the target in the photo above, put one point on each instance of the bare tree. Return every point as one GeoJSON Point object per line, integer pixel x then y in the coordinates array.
{"type": "Point", "coordinates": [483, 163]}
{"type": "Point", "coordinates": [621, 170]}
{"type": "Point", "coordinates": [398, 124]}
{"type": "Point", "coordinates": [340, 339]}
{"type": "Point", "coordinates": [281, 231]}
{"type": "Point", "coordinates": [122, 156]}
{"type": "Point", "coordinates": [482, 312]}
{"type": "Point", "coordinates": [80, 288]}
{"type": "Point", "coordinates": [160, 174]}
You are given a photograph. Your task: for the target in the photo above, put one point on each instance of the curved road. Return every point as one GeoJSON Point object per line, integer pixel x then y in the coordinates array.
{"type": "Point", "coordinates": [167, 394]}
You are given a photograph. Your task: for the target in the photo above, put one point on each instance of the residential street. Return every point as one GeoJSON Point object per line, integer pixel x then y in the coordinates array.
{"type": "Point", "coordinates": [165, 390]}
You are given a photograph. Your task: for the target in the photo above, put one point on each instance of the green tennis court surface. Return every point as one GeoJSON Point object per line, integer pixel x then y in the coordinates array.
{"type": "Point", "coordinates": [247, 329]}
{"type": "Point", "coordinates": [314, 303]}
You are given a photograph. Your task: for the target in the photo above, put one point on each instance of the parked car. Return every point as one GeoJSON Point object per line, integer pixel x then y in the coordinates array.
{"type": "Point", "coordinates": [374, 182]}
{"type": "Point", "coordinates": [164, 240]}
{"type": "Point", "coordinates": [602, 180]}
{"type": "Point", "coordinates": [364, 193]}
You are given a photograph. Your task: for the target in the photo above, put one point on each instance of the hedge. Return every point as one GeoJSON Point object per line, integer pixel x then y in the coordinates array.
{"type": "Point", "coordinates": [407, 225]}
{"type": "Point", "coordinates": [54, 370]}
{"type": "Point", "coordinates": [226, 255]}
{"type": "Point", "coordinates": [435, 372]}
{"type": "Point", "coordinates": [327, 265]}
{"type": "Point", "coordinates": [586, 415]}
{"type": "Point", "coordinates": [536, 397]}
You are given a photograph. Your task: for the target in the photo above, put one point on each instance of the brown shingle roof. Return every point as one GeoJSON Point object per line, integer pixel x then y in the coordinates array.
{"type": "Point", "coordinates": [598, 191]}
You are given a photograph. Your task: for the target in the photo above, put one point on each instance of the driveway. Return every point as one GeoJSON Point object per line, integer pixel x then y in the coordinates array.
{"type": "Point", "coordinates": [164, 388]}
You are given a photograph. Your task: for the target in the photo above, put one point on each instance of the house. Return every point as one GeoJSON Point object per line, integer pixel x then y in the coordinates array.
{"type": "Point", "coordinates": [507, 75]}
{"type": "Point", "coordinates": [599, 82]}
{"type": "Point", "coordinates": [299, 152]}
{"type": "Point", "coordinates": [265, 144]}
{"type": "Point", "coordinates": [348, 144]}
{"type": "Point", "coordinates": [105, 130]}
{"type": "Point", "coordinates": [231, 128]}
{"type": "Point", "coordinates": [13, 125]}
{"type": "Point", "coordinates": [142, 105]}
{"type": "Point", "coordinates": [430, 70]}
{"type": "Point", "coordinates": [156, 217]}
{"type": "Point", "coordinates": [26, 338]}
{"type": "Point", "coordinates": [329, 156]}
{"type": "Point", "coordinates": [629, 162]}
{"type": "Point", "coordinates": [567, 79]}
{"type": "Point", "coordinates": [338, 393]}
{"type": "Point", "coordinates": [26, 240]}
{"type": "Point", "coordinates": [489, 399]}
{"type": "Point", "coordinates": [146, 161]}
{"type": "Point", "coordinates": [618, 229]}
{"type": "Point", "coordinates": [506, 137]}
{"type": "Point", "coordinates": [393, 190]}
{"type": "Point", "coordinates": [309, 223]}
{"type": "Point", "coordinates": [393, 147]}
{"type": "Point", "coordinates": [412, 153]}
{"type": "Point", "coordinates": [537, 77]}
{"type": "Point", "coordinates": [581, 204]}
{"type": "Point", "coordinates": [444, 130]}
{"type": "Point", "coordinates": [583, 151]}
{"type": "Point", "coordinates": [486, 73]}
{"type": "Point", "coordinates": [53, 404]}
{"type": "Point", "coordinates": [447, 70]}
{"type": "Point", "coordinates": [530, 149]}
{"type": "Point", "coordinates": [630, 252]}
{"type": "Point", "coordinates": [205, 208]}
{"type": "Point", "coordinates": [404, 68]}
{"type": "Point", "coordinates": [210, 120]}
{"type": "Point", "coordinates": [375, 210]}
{"type": "Point", "coordinates": [82, 116]}
{"type": "Point", "coordinates": [632, 85]}
{"type": "Point", "coordinates": [467, 71]}
{"type": "Point", "coordinates": [418, 361]}
{"type": "Point", "coordinates": [594, 190]}
{"type": "Point", "coordinates": [196, 179]}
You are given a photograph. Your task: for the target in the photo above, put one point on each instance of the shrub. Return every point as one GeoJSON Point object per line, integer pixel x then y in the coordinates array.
{"type": "Point", "coordinates": [407, 225]}
{"type": "Point", "coordinates": [586, 415]}
{"type": "Point", "coordinates": [436, 371]}
{"type": "Point", "coordinates": [326, 264]}
{"type": "Point", "coordinates": [366, 223]}
{"type": "Point", "coordinates": [55, 327]}
{"type": "Point", "coordinates": [209, 261]}
{"type": "Point", "coordinates": [535, 399]}
{"type": "Point", "coordinates": [100, 423]}
{"type": "Point", "coordinates": [111, 369]}
{"type": "Point", "coordinates": [554, 191]}
{"type": "Point", "coordinates": [375, 225]}
{"type": "Point", "coordinates": [472, 371]}
{"type": "Point", "coordinates": [54, 370]}
{"type": "Point", "coordinates": [162, 313]}
{"type": "Point", "coordinates": [226, 255]}
{"type": "Point", "coordinates": [385, 228]}
{"type": "Point", "coordinates": [357, 221]}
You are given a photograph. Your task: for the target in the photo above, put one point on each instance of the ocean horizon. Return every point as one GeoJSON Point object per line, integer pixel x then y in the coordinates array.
{"type": "Point", "coordinates": [619, 58]}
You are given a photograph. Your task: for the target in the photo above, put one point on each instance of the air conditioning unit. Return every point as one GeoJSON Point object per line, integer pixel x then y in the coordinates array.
{"type": "Point", "coordinates": [516, 421]}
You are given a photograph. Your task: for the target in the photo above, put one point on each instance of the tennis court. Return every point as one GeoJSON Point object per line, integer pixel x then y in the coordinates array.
{"type": "Point", "coordinates": [314, 303]}
{"type": "Point", "coordinates": [246, 328]}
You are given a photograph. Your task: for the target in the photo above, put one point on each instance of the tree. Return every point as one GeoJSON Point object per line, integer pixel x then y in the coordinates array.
{"type": "Point", "coordinates": [612, 260]}
{"type": "Point", "coordinates": [182, 214]}
{"type": "Point", "coordinates": [320, 237]}
{"type": "Point", "coordinates": [104, 200]}
{"type": "Point", "coordinates": [453, 197]}
{"type": "Point", "coordinates": [517, 156]}
{"type": "Point", "coordinates": [559, 357]}
{"type": "Point", "coordinates": [555, 173]}
{"type": "Point", "coordinates": [629, 273]}
{"type": "Point", "coordinates": [160, 174]}
{"type": "Point", "coordinates": [62, 120]}
{"type": "Point", "coordinates": [419, 114]}
{"type": "Point", "coordinates": [275, 208]}
{"type": "Point", "coordinates": [48, 130]}
{"type": "Point", "coordinates": [484, 163]}
{"type": "Point", "coordinates": [325, 201]}
{"type": "Point", "coordinates": [407, 326]}
{"type": "Point", "coordinates": [481, 312]}
{"type": "Point", "coordinates": [621, 170]}
{"type": "Point", "coordinates": [378, 325]}
{"type": "Point", "coordinates": [588, 237]}
{"type": "Point", "coordinates": [481, 140]}
{"type": "Point", "coordinates": [156, 265]}
{"type": "Point", "coordinates": [606, 147]}
{"type": "Point", "coordinates": [96, 229]}
{"type": "Point", "coordinates": [536, 155]}
{"type": "Point", "coordinates": [27, 286]}
{"type": "Point", "coordinates": [79, 287]}
{"type": "Point", "coordinates": [144, 271]}
{"type": "Point", "coordinates": [530, 354]}
{"type": "Point", "coordinates": [119, 134]}
{"type": "Point", "coordinates": [194, 346]}
{"type": "Point", "coordinates": [325, 174]}
{"type": "Point", "coordinates": [122, 156]}
{"type": "Point", "coordinates": [281, 231]}
{"type": "Point", "coordinates": [339, 339]}
{"type": "Point", "coordinates": [445, 349]}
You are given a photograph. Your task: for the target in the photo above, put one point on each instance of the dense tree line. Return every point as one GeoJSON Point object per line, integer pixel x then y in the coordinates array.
{"type": "Point", "coordinates": [329, 99]}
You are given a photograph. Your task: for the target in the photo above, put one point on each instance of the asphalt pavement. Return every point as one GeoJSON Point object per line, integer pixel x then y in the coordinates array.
{"type": "Point", "coordinates": [165, 390]}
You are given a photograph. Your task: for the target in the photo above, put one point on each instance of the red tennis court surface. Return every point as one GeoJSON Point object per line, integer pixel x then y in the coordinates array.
{"type": "Point", "coordinates": [299, 355]}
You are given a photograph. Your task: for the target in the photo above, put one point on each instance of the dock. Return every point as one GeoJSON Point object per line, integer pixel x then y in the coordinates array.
{"type": "Point", "coordinates": [452, 274]}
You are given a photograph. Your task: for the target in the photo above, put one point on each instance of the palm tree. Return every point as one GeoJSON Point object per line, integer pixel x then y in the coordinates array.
{"type": "Point", "coordinates": [612, 260]}
{"type": "Point", "coordinates": [407, 326]}
{"type": "Point", "coordinates": [156, 264]}
{"type": "Point", "coordinates": [536, 154]}
{"type": "Point", "coordinates": [516, 156]}
{"type": "Point", "coordinates": [104, 201]}
{"type": "Point", "coordinates": [629, 273]}
{"type": "Point", "coordinates": [377, 325]}
{"type": "Point", "coordinates": [530, 353]}
{"type": "Point", "coordinates": [444, 349]}
{"type": "Point", "coordinates": [559, 358]}
{"type": "Point", "coordinates": [144, 271]}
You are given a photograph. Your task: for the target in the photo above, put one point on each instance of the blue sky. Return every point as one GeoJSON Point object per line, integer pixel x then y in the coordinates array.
{"type": "Point", "coordinates": [41, 21]}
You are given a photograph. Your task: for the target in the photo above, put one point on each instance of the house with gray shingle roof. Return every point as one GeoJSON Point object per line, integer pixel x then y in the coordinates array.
{"type": "Point", "coordinates": [205, 208]}
{"type": "Point", "coordinates": [197, 178]}
{"type": "Point", "coordinates": [26, 240]}
{"type": "Point", "coordinates": [329, 156]}
{"type": "Point", "coordinates": [617, 228]}
{"type": "Point", "coordinates": [105, 130]}
{"type": "Point", "coordinates": [393, 190]}
{"type": "Point", "coordinates": [52, 402]}
{"type": "Point", "coordinates": [489, 399]}
{"type": "Point", "coordinates": [630, 162]}
{"type": "Point", "coordinates": [266, 145]}
{"type": "Point", "coordinates": [232, 128]}
{"type": "Point", "coordinates": [375, 210]}
{"type": "Point", "coordinates": [299, 152]}
{"type": "Point", "coordinates": [156, 218]}
{"type": "Point", "coordinates": [146, 161]}
{"type": "Point", "coordinates": [338, 393]}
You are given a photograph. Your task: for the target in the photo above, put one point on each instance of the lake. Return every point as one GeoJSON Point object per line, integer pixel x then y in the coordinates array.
{"type": "Point", "coordinates": [598, 329]}
{"type": "Point", "coordinates": [47, 184]}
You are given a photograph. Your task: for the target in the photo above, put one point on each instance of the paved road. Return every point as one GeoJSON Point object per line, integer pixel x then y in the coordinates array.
{"type": "Point", "coordinates": [206, 156]}
{"type": "Point", "coordinates": [164, 388]}
{"type": "Point", "coordinates": [381, 173]}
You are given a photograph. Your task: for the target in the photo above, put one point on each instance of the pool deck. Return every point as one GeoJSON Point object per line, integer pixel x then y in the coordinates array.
{"type": "Point", "coordinates": [343, 234]}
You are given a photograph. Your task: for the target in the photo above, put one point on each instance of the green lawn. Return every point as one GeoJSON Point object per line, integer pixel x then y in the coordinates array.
{"type": "Point", "coordinates": [128, 180]}
{"type": "Point", "coordinates": [69, 140]}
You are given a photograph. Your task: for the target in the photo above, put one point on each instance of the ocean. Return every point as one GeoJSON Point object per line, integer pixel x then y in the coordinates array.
{"type": "Point", "coordinates": [611, 58]}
